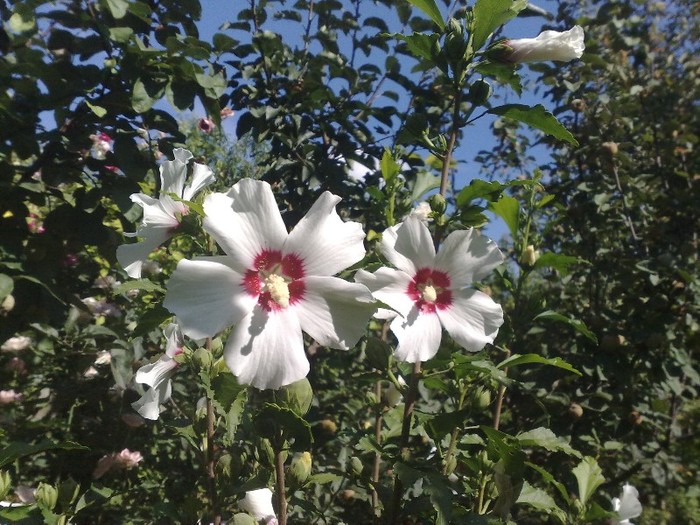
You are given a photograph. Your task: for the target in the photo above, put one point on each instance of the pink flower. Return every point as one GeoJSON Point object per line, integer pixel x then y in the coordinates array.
{"type": "Point", "coordinates": [7, 397]}
{"type": "Point", "coordinates": [430, 290]}
{"type": "Point", "coordinates": [101, 145]}
{"type": "Point", "coordinates": [34, 224]}
{"type": "Point", "coordinates": [116, 461]}
{"type": "Point", "coordinates": [206, 125]}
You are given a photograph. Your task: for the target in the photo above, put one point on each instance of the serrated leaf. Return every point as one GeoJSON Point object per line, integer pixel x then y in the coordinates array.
{"type": "Point", "coordinates": [140, 284]}
{"type": "Point", "coordinates": [546, 476]}
{"type": "Point", "coordinates": [99, 111]}
{"type": "Point", "coordinates": [480, 189]}
{"type": "Point", "coordinates": [420, 45]}
{"type": "Point", "coordinates": [490, 15]}
{"type": "Point", "coordinates": [322, 478]}
{"type": "Point", "coordinates": [120, 34]}
{"type": "Point", "coordinates": [577, 325]}
{"type": "Point", "coordinates": [589, 476]}
{"type": "Point", "coordinates": [538, 499]}
{"type": "Point", "coordinates": [503, 73]}
{"type": "Point", "coordinates": [425, 182]}
{"type": "Point", "coordinates": [17, 450]}
{"type": "Point", "coordinates": [272, 419]}
{"type": "Point", "coordinates": [545, 438]}
{"type": "Point", "coordinates": [508, 209]}
{"type": "Point", "coordinates": [390, 168]}
{"type": "Point", "coordinates": [558, 261]}
{"type": "Point", "coordinates": [536, 117]}
{"type": "Point", "coordinates": [526, 359]}
{"type": "Point", "coordinates": [141, 101]}
{"type": "Point", "coordinates": [430, 8]}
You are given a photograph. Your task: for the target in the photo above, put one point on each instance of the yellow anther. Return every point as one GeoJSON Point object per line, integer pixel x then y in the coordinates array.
{"type": "Point", "coordinates": [429, 294]}
{"type": "Point", "coordinates": [278, 288]}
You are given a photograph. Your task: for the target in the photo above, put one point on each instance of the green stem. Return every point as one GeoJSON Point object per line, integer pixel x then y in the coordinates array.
{"type": "Point", "coordinates": [411, 395]}
{"type": "Point", "coordinates": [453, 437]}
{"type": "Point", "coordinates": [280, 486]}
{"type": "Point", "coordinates": [377, 456]}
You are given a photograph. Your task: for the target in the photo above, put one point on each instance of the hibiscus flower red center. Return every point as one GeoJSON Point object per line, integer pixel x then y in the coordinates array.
{"type": "Point", "coordinates": [430, 290]}
{"type": "Point", "coordinates": [276, 280]}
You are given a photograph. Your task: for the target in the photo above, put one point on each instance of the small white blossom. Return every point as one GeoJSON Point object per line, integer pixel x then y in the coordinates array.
{"type": "Point", "coordinates": [258, 503]}
{"type": "Point", "coordinates": [16, 344]}
{"type": "Point", "coordinates": [627, 505]}
{"type": "Point", "coordinates": [7, 397]}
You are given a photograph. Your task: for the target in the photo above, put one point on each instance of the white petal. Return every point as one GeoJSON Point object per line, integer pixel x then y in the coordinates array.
{"type": "Point", "coordinates": [334, 312]}
{"type": "Point", "coordinates": [173, 173]}
{"type": "Point", "coordinates": [173, 339]}
{"type": "Point", "coordinates": [325, 243]}
{"type": "Point", "coordinates": [258, 503]}
{"type": "Point", "coordinates": [629, 506]}
{"type": "Point", "coordinates": [466, 256]}
{"type": "Point", "coordinates": [148, 406]}
{"type": "Point", "coordinates": [419, 336]}
{"type": "Point", "coordinates": [201, 176]}
{"type": "Point", "coordinates": [153, 374]}
{"type": "Point", "coordinates": [472, 320]}
{"type": "Point", "coordinates": [157, 212]}
{"type": "Point", "coordinates": [207, 296]}
{"type": "Point", "coordinates": [245, 221]}
{"type": "Point", "coordinates": [266, 349]}
{"type": "Point", "coordinates": [388, 286]}
{"type": "Point", "coordinates": [409, 246]}
{"type": "Point", "coordinates": [132, 256]}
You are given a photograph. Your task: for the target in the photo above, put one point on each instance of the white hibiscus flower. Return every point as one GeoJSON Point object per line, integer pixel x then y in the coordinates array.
{"type": "Point", "coordinates": [627, 505]}
{"type": "Point", "coordinates": [163, 215]}
{"type": "Point", "coordinates": [157, 375]}
{"type": "Point", "coordinates": [562, 46]}
{"type": "Point", "coordinates": [429, 290]}
{"type": "Point", "coordinates": [271, 284]}
{"type": "Point", "coordinates": [258, 503]}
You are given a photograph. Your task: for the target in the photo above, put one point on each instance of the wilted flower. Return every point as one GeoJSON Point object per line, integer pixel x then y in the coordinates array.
{"type": "Point", "coordinates": [103, 358]}
{"type": "Point", "coordinates": [132, 420]}
{"type": "Point", "coordinates": [226, 113]}
{"type": "Point", "coordinates": [105, 282]}
{"type": "Point", "coordinates": [530, 255]}
{"type": "Point", "coordinates": [258, 503]}
{"type": "Point", "coordinates": [206, 125]}
{"type": "Point", "coordinates": [157, 375]}
{"type": "Point", "coordinates": [548, 45]}
{"type": "Point", "coordinates": [422, 211]}
{"type": "Point", "coordinates": [91, 372]}
{"type": "Point", "coordinates": [429, 290]}
{"type": "Point", "coordinates": [8, 397]}
{"type": "Point", "coordinates": [393, 395]}
{"type": "Point", "coordinates": [163, 215]}
{"type": "Point", "coordinates": [101, 145]}
{"type": "Point", "coordinates": [16, 365]}
{"type": "Point", "coordinates": [101, 307]}
{"type": "Point", "coordinates": [116, 461]}
{"type": "Point", "coordinates": [271, 284]}
{"type": "Point", "coordinates": [16, 344]}
{"type": "Point", "coordinates": [627, 505]}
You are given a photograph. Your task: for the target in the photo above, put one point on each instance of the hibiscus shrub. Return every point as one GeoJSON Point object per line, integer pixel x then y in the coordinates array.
{"type": "Point", "coordinates": [198, 330]}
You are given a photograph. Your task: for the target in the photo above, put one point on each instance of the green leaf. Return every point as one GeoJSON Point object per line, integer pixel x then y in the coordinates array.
{"type": "Point", "coordinates": [99, 111]}
{"type": "Point", "coordinates": [434, 485]}
{"type": "Point", "coordinates": [118, 8]}
{"type": "Point", "coordinates": [508, 209]}
{"type": "Point", "coordinates": [420, 45]}
{"type": "Point", "coordinates": [545, 438]}
{"type": "Point", "coordinates": [140, 284]}
{"type": "Point", "coordinates": [536, 117]}
{"type": "Point", "coordinates": [577, 325]}
{"type": "Point", "coordinates": [589, 476]}
{"type": "Point", "coordinates": [558, 261]}
{"type": "Point", "coordinates": [322, 478]}
{"type": "Point", "coordinates": [120, 34]}
{"type": "Point", "coordinates": [390, 168]}
{"type": "Point", "coordinates": [273, 418]}
{"type": "Point", "coordinates": [491, 14]}
{"type": "Point", "coordinates": [503, 73]}
{"type": "Point", "coordinates": [546, 476]}
{"type": "Point", "coordinates": [22, 19]}
{"type": "Point", "coordinates": [195, 207]}
{"type": "Point", "coordinates": [526, 359]}
{"type": "Point", "coordinates": [479, 189]}
{"type": "Point", "coordinates": [17, 450]}
{"type": "Point", "coordinates": [6, 285]}
{"type": "Point", "coordinates": [425, 182]}
{"type": "Point", "coordinates": [141, 101]}
{"type": "Point", "coordinates": [430, 8]}
{"type": "Point", "coordinates": [539, 499]}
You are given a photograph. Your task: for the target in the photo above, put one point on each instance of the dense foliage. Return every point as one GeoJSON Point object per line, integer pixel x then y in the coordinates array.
{"type": "Point", "coordinates": [591, 381]}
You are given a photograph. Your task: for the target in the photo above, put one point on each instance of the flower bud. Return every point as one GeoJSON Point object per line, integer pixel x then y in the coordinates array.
{"type": "Point", "coordinates": [46, 496]}
{"type": "Point", "coordinates": [481, 398]}
{"type": "Point", "coordinates": [356, 465]}
{"type": "Point", "coordinates": [297, 397]}
{"type": "Point", "coordinates": [575, 410]}
{"type": "Point", "coordinates": [610, 148]}
{"type": "Point", "coordinates": [378, 353]}
{"type": "Point", "coordinates": [479, 92]}
{"type": "Point", "coordinates": [530, 255]}
{"type": "Point", "coordinates": [202, 358]}
{"type": "Point", "coordinates": [328, 426]}
{"type": "Point", "coordinates": [8, 303]}
{"type": "Point", "coordinates": [578, 105]}
{"type": "Point", "coordinates": [451, 465]}
{"type": "Point", "coordinates": [561, 46]}
{"type": "Point", "coordinates": [300, 469]}
{"type": "Point", "coordinates": [437, 203]}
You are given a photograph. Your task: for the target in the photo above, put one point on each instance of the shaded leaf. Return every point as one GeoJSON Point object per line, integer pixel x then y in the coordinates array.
{"type": "Point", "coordinates": [577, 325]}
{"type": "Point", "coordinates": [430, 8]}
{"type": "Point", "coordinates": [589, 476]}
{"type": "Point", "coordinates": [536, 117]}
{"type": "Point", "coordinates": [17, 450]}
{"type": "Point", "coordinates": [517, 359]}
{"type": "Point", "coordinates": [508, 209]}
{"type": "Point", "coordinates": [491, 14]}
{"type": "Point", "coordinates": [545, 438]}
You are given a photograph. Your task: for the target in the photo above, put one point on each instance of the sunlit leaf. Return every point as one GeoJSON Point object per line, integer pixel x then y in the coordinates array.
{"type": "Point", "coordinates": [536, 117]}
{"type": "Point", "coordinates": [430, 8]}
